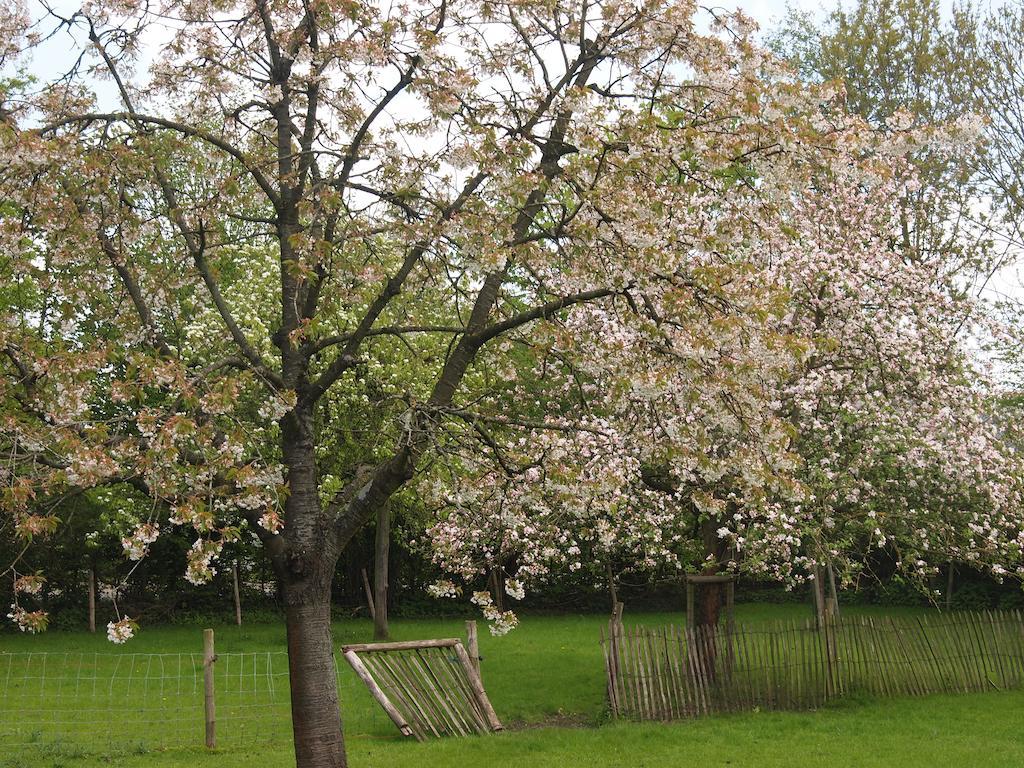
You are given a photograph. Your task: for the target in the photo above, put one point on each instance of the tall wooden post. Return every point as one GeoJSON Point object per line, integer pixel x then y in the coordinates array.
{"type": "Point", "coordinates": [381, 555]}
{"type": "Point", "coordinates": [209, 707]}
{"type": "Point", "coordinates": [92, 598]}
{"type": "Point", "coordinates": [691, 619]}
{"type": "Point", "coordinates": [818, 585]}
{"type": "Point", "coordinates": [473, 645]}
{"type": "Point", "coordinates": [238, 598]}
{"type": "Point", "coordinates": [950, 575]}
{"type": "Point", "coordinates": [832, 592]}
{"type": "Point", "coordinates": [824, 606]}
{"type": "Point", "coordinates": [611, 586]}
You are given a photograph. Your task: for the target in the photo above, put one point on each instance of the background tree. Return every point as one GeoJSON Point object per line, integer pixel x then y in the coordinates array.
{"type": "Point", "coordinates": [901, 64]}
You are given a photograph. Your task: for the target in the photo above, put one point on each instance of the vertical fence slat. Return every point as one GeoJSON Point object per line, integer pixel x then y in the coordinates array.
{"type": "Point", "coordinates": [670, 672]}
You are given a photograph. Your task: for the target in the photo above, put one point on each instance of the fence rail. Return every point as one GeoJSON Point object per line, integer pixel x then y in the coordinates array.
{"type": "Point", "coordinates": [671, 672]}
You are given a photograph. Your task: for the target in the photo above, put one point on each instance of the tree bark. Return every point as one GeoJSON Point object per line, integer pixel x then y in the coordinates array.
{"type": "Point", "coordinates": [316, 711]}
{"type": "Point", "coordinates": [709, 596]}
{"type": "Point", "coordinates": [381, 553]}
{"type": "Point", "coordinates": [496, 584]}
{"type": "Point", "coordinates": [305, 558]}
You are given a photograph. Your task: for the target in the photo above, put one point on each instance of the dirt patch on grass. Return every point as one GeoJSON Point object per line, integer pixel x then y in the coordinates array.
{"type": "Point", "coordinates": [554, 720]}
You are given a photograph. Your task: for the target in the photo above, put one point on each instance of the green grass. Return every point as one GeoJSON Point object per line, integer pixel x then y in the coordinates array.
{"type": "Point", "coordinates": [546, 681]}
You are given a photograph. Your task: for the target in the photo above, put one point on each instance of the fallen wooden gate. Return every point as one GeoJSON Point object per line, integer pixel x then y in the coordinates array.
{"type": "Point", "coordinates": [427, 687]}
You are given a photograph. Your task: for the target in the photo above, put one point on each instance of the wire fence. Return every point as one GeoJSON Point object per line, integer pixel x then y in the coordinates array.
{"type": "Point", "coordinates": [83, 702]}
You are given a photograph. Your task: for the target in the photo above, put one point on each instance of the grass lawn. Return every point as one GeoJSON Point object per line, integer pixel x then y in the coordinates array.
{"type": "Point", "coordinates": [546, 681]}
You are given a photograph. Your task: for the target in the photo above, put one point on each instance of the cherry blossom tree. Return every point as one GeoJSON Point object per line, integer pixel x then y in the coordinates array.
{"type": "Point", "coordinates": [428, 233]}
{"type": "Point", "coordinates": [826, 405]}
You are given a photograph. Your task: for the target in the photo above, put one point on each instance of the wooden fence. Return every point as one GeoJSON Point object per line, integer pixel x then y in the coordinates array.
{"type": "Point", "coordinates": [667, 673]}
{"type": "Point", "coordinates": [426, 687]}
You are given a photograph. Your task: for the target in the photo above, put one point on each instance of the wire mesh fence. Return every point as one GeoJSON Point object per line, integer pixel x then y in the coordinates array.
{"type": "Point", "coordinates": [667, 673]}
{"type": "Point", "coordinates": [145, 701]}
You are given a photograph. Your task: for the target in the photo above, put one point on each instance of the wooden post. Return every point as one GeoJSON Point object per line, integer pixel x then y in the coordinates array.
{"type": "Point", "coordinates": [612, 655]}
{"type": "Point", "coordinates": [473, 646]}
{"type": "Point", "coordinates": [730, 626]}
{"type": "Point", "coordinates": [381, 557]}
{"type": "Point", "coordinates": [369, 596]}
{"type": "Point", "coordinates": [92, 599]}
{"type": "Point", "coordinates": [478, 688]}
{"type": "Point", "coordinates": [238, 599]}
{"type": "Point", "coordinates": [611, 586]}
{"type": "Point", "coordinates": [364, 674]}
{"type": "Point", "coordinates": [819, 593]}
{"type": "Point", "coordinates": [730, 606]}
{"type": "Point", "coordinates": [691, 620]}
{"type": "Point", "coordinates": [209, 707]}
{"type": "Point", "coordinates": [833, 594]}
{"type": "Point", "coordinates": [949, 586]}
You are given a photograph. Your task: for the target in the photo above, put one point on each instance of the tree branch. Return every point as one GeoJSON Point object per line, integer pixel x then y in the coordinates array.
{"type": "Point", "coordinates": [173, 125]}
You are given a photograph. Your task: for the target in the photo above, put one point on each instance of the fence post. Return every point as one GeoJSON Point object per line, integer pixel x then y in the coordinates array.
{"type": "Point", "coordinates": [473, 645]}
{"type": "Point", "coordinates": [237, 595]}
{"type": "Point", "coordinates": [92, 598]}
{"type": "Point", "coordinates": [209, 707]}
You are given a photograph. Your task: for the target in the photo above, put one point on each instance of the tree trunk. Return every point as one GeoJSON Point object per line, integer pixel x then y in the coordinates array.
{"type": "Point", "coordinates": [316, 712]}
{"type": "Point", "coordinates": [709, 596]}
{"type": "Point", "coordinates": [496, 584]}
{"type": "Point", "coordinates": [381, 552]}
{"type": "Point", "coordinates": [305, 562]}
{"type": "Point", "coordinates": [709, 604]}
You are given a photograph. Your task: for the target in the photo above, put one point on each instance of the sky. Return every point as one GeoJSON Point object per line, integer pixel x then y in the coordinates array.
{"type": "Point", "coordinates": [767, 11]}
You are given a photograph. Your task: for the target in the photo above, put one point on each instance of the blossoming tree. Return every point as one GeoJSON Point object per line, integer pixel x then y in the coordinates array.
{"type": "Point", "coordinates": [322, 223]}
{"type": "Point", "coordinates": [807, 420]}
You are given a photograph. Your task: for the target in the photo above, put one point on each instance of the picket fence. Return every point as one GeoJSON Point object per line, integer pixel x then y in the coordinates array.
{"type": "Point", "coordinates": [667, 673]}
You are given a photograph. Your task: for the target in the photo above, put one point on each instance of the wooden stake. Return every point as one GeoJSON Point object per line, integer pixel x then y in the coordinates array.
{"type": "Point", "coordinates": [833, 594]}
{"type": "Point", "coordinates": [92, 599]}
{"type": "Point", "coordinates": [691, 620]}
{"type": "Point", "coordinates": [369, 595]}
{"type": "Point", "coordinates": [381, 558]}
{"type": "Point", "coordinates": [478, 688]}
{"type": "Point", "coordinates": [209, 706]}
{"type": "Point", "coordinates": [611, 586]}
{"type": "Point", "coordinates": [950, 575]}
{"type": "Point", "coordinates": [819, 594]}
{"type": "Point", "coordinates": [238, 599]}
{"type": "Point", "coordinates": [617, 615]}
{"type": "Point", "coordinates": [473, 646]}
